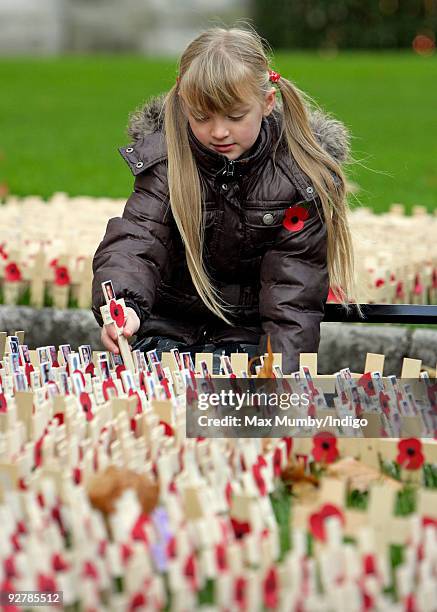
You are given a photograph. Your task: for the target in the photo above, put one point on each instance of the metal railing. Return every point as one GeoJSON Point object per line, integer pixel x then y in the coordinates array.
{"type": "Point", "coordinates": [383, 313]}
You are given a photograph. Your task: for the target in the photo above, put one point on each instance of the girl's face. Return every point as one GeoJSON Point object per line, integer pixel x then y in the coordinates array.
{"type": "Point", "coordinates": [234, 133]}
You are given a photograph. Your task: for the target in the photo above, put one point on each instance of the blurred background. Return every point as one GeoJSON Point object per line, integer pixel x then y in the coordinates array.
{"type": "Point", "coordinates": [71, 71]}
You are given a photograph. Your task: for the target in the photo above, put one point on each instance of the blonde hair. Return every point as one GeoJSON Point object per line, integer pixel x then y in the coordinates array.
{"type": "Point", "coordinates": [218, 69]}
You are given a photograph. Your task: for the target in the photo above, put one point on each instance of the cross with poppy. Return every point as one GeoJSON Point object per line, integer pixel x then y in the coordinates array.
{"type": "Point", "coordinates": [114, 313]}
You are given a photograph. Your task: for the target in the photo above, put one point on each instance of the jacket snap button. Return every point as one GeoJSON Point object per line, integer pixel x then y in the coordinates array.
{"type": "Point", "coordinates": [310, 190]}
{"type": "Point", "coordinates": [224, 187]}
{"type": "Point", "coordinates": [129, 150]}
{"type": "Point", "coordinates": [139, 165]}
{"type": "Point", "coordinates": [268, 219]}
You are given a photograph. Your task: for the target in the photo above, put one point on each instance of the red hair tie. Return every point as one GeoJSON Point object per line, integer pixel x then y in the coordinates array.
{"type": "Point", "coordinates": [274, 76]}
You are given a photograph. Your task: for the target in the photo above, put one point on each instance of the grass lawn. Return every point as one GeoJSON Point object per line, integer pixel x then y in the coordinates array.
{"type": "Point", "coordinates": [62, 119]}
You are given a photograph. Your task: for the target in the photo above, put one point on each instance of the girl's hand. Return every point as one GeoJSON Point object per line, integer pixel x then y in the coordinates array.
{"type": "Point", "coordinates": [109, 334]}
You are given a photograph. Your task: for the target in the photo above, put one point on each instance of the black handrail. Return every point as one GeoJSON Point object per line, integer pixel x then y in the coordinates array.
{"type": "Point", "coordinates": [383, 313]}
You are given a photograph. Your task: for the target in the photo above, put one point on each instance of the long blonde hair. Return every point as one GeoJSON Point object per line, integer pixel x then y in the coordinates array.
{"type": "Point", "coordinates": [218, 69]}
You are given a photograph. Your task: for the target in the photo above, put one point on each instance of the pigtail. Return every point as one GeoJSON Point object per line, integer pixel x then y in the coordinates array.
{"type": "Point", "coordinates": [185, 187]}
{"type": "Point", "coordinates": [329, 181]}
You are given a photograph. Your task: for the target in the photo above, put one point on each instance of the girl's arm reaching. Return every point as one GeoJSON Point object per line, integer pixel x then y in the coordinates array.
{"type": "Point", "coordinates": [134, 252]}
{"type": "Point", "coordinates": [294, 288]}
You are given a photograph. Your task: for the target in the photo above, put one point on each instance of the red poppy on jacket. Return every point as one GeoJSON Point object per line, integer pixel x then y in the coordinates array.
{"type": "Point", "coordinates": [62, 277]}
{"type": "Point", "coordinates": [295, 218]}
{"type": "Point", "coordinates": [317, 520]}
{"type": "Point", "coordinates": [325, 447]}
{"type": "Point", "coordinates": [410, 454]}
{"type": "Point", "coordinates": [12, 272]}
{"type": "Point", "coordinates": [117, 313]}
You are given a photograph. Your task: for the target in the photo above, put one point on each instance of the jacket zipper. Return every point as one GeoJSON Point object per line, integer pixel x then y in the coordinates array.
{"type": "Point", "coordinates": [229, 168]}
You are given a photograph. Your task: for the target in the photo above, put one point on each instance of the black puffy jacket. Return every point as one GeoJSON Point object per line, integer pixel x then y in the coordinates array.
{"type": "Point", "coordinates": [273, 277]}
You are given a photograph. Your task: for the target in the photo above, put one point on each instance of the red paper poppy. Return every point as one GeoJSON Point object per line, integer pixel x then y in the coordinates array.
{"type": "Point", "coordinates": [400, 290]}
{"type": "Point", "coordinates": [384, 400]}
{"type": "Point", "coordinates": [220, 556]}
{"type": "Point", "coordinates": [12, 272]}
{"type": "Point", "coordinates": [295, 218]}
{"type": "Point", "coordinates": [119, 369]}
{"type": "Point", "coordinates": [418, 287]}
{"type": "Point", "coordinates": [62, 277]}
{"type": "Point", "coordinates": [138, 530]}
{"type": "Point", "coordinates": [240, 528]}
{"type": "Point", "coordinates": [259, 479]}
{"type": "Point", "coordinates": [240, 592]}
{"type": "Point", "coordinates": [3, 403]}
{"type": "Point", "coordinates": [168, 429]}
{"type": "Point", "coordinates": [85, 401]}
{"type": "Point", "coordinates": [325, 447]}
{"type": "Point", "coordinates": [3, 253]}
{"type": "Point", "coordinates": [117, 313]}
{"type": "Point", "coordinates": [53, 263]}
{"type": "Point", "coordinates": [317, 520]}
{"type": "Point", "coordinates": [59, 564]}
{"type": "Point", "coordinates": [46, 583]}
{"type": "Point", "coordinates": [289, 444]}
{"type": "Point", "coordinates": [190, 571]}
{"type": "Point", "coordinates": [90, 570]}
{"type": "Point", "coordinates": [109, 389]}
{"type": "Point", "coordinates": [277, 461]}
{"type": "Point", "coordinates": [139, 406]}
{"type": "Point", "coordinates": [366, 383]}
{"type": "Point", "coordinates": [90, 369]}
{"type": "Point", "coordinates": [138, 601]}
{"type": "Point", "coordinates": [125, 552]}
{"type": "Point", "coordinates": [410, 454]}
{"type": "Point", "coordinates": [271, 596]}
{"type": "Point", "coordinates": [228, 493]}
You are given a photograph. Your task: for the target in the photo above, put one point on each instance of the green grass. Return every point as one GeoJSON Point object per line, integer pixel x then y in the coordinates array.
{"type": "Point", "coordinates": [62, 119]}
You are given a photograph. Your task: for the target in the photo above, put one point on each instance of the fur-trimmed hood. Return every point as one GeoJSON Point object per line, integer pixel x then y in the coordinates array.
{"type": "Point", "coordinates": [332, 135]}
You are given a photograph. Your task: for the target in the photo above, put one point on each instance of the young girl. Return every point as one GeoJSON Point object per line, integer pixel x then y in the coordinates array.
{"type": "Point", "coordinates": [237, 223]}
